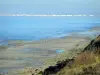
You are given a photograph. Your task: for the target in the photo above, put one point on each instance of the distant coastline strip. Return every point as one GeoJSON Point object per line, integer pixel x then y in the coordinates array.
{"type": "Point", "coordinates": [46, 15]}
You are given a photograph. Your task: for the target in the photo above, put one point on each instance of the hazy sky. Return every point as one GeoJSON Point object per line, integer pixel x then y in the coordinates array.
{"type": "Point", "coordinates": [50, 6]}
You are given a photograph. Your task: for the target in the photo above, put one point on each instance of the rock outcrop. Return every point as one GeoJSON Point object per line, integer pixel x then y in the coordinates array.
{"type": "Point", "coordinates": [52, 70]}
{"type": "Point", "coordinates": [94, 45]}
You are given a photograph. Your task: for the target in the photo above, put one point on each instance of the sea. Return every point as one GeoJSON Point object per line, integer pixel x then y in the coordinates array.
{"type": "Point", "coordinates": [37, 28]}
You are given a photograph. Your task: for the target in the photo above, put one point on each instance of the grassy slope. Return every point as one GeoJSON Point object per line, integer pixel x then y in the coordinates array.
{"type": "Point", "coordinates": [87, 62]}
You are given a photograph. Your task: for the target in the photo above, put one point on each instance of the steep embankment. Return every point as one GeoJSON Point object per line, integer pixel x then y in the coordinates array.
{"type": "Point", "coordinates": [94, 45]}
{"type": "Point", "coordinates": [86, 63]}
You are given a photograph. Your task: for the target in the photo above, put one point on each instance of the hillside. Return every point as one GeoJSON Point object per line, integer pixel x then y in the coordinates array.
{"type": "Point", "coordinates": [86, 63]}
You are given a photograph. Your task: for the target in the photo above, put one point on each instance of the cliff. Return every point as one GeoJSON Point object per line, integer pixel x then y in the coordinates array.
{"type": "Point", "coordinates": [83, 64]}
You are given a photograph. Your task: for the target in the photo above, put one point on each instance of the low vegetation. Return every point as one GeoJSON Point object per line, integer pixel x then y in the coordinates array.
{"type": "Point", "coordinates": [87, 62]}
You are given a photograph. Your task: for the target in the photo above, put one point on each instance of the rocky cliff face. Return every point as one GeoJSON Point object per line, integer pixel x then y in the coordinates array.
{"type": "Point", "coordinates": [52, 70]}
{"type": "Point", "coordinates": [94, 45]}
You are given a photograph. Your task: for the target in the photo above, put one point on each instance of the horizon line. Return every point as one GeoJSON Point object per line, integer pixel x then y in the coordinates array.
{"type": "Point", "coordinates": [47, 15]}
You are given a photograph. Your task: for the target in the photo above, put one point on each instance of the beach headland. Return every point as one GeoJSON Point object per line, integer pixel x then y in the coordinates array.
{"type": "Point", "coordinates": [27, 57]}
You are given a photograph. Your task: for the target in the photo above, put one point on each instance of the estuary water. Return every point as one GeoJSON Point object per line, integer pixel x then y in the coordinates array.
{"type": "Point", "coordinates": [36, 28]}
{"type": "Point", "coordinates": [30, 54]}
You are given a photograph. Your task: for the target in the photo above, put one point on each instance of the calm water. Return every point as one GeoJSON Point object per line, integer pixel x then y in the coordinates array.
{"type": "Point", "coordinates": [35, 28]}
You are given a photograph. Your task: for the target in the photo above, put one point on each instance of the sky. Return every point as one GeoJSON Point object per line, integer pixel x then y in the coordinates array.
{"type": "Point", "coordinates": [50, 6]}
{"type": "Point", "coordinates": [21, 25]}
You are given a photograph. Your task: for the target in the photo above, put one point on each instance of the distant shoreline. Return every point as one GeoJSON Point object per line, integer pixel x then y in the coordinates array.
{"type": "Point", "coordinates": [49, 15]}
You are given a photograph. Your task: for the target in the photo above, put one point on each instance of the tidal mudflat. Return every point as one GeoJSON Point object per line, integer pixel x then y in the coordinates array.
{"type": "Point", "coordinates": [17, 54]}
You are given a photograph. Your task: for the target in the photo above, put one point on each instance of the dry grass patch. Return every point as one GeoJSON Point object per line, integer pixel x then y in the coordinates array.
{"type": "Point", "coordinates": [85, 58]}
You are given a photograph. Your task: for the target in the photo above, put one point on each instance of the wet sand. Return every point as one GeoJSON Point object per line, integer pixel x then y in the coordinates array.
{"type": "Point", "coordinates": [21, 54]}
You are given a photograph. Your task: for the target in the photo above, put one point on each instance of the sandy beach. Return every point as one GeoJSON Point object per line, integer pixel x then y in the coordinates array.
{"type": "Point", "coordinates": [36, 54]}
